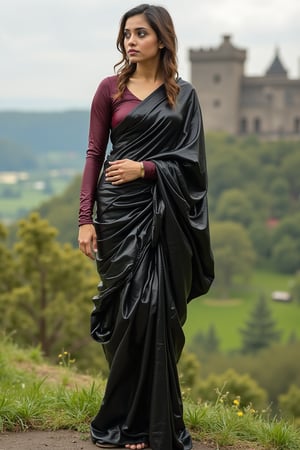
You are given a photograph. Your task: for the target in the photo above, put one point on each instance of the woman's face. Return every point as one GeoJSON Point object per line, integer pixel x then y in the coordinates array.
{"type": "Point", "coordinates": [140, 40]}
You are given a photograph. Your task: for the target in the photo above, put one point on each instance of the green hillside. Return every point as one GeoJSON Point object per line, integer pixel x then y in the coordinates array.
{"type": "Point", "coordinates": [229, 315]}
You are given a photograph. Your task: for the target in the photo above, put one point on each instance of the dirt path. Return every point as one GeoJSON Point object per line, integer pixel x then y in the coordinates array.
{"type": "Point", "coordinates": [55, 440]}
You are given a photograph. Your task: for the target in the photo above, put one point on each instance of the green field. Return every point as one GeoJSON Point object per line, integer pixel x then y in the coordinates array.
{"type": "Point", "coordinates": [17, 200]}
{"type": "Point", "coordinates": [228, 316]}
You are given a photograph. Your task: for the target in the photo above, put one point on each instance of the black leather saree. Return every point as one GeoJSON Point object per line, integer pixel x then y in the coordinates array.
{"type": "Point", "coordinates": [154, 256]}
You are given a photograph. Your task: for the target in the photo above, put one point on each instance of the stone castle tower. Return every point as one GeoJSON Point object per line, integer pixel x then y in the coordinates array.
{"type": "Point", "coordinates": [268, 106]}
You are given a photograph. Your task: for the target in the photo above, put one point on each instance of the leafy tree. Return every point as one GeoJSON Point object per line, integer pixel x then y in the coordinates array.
{"type": "Point", "coordinates": [274, 368]}
{"type": "Point", "coordinates": [233, 252]}
{"type": "Point", "coordinates": [7, 271]}
{"type": "Point", "coordinates": [260, 329]}
{"type": "Point", "coordinates": [260, 201]}
{"type": "Point", "coordinates": [188, 369]}
{"type": "Point", "coordinates": [231, 168]}
{"type": "Point", "coordinates": [295, 290]}
{"type": "Point", "coordinates": [286, 245]}
{"type": "Point", "coordinates": [270, 174]}
{"type": "Point", "coordinates": [290, 403]}
{"type": "Point", "coordinates": [232, 385]}
{"type": "Point", "coordinates": [290, 169]}
{"type": "Point", "coordinates": [233, 205]}
{"type": "Point", "coordinates": [279, 190]}
{"type": "Point", "coordinates": [286, 256]}
{"type": "Point", "coordinates": [261, 238]}
{"type": "Point", "coordinates": [50, 302]}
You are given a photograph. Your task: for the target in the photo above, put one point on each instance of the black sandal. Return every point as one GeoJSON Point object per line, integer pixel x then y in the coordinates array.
{"type": "Point", "coordinates": [105, 445]}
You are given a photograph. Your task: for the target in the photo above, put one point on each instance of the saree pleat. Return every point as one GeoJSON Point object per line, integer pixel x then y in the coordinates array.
{"type": "Point", "coordinates": [153, 257]}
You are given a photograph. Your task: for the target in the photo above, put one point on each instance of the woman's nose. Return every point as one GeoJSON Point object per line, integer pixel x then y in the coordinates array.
{"type": "Point", "coordinates": [132, 40]}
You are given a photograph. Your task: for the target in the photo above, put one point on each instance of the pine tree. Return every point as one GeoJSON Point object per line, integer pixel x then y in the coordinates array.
{"type": "Point", "coordinates": [260, 329]}
{"type": "Point", "coordinates": [211, 340]}
{"type": "Point", "coordinates": [205, 343]}
{"type": "Point", "coordinates": [48, 300]}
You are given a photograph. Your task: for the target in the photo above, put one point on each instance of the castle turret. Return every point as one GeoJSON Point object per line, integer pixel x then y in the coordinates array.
{"type": "Point", "coordinates": [217, 74]}
{"type": "Point", "coordinates": [276, 68]}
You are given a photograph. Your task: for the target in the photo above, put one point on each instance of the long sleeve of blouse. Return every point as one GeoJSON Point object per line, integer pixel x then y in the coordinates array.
{"type": "Point", "coordinates": [105, 113]}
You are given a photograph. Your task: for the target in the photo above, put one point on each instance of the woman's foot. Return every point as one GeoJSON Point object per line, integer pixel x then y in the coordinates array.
{"type": "Point", "coordinates": [138, 446]}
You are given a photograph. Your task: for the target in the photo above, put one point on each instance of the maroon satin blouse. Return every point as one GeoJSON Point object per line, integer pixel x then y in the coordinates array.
{"type": "Point", "coordinates": [106, 113]}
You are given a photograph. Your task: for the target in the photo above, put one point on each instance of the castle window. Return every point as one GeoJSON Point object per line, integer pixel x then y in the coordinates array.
{"type": "Point", "coordinates": [217, 103]}
{"type": "Point", "coordinates": [269, 97]}
{"type": "Point", "coordinates": [257, 125]}
{"type": "Point", "coordinates": [243, 125]}
{"type": "Point", "coordinates": [297, 125]}
{"type": "Point", "coordinates": [289, 97]}
{"type": "Point", "coordinates": [217, 78]}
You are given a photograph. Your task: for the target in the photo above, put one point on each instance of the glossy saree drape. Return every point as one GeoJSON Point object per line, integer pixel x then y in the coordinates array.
{"type": "Point", "coordinates": [154, 256]}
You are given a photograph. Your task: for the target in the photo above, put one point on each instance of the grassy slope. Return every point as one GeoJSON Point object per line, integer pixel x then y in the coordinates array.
{"type": "Point", "coordinates": [35, 395]}
{"type": "Point", "coordinates": [228, 316]}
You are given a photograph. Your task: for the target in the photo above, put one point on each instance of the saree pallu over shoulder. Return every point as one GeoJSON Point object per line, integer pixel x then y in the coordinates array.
{"type": "Point", "coordinates": [174, 140]}
{"type": "Point", "coordinates": [154, 256]}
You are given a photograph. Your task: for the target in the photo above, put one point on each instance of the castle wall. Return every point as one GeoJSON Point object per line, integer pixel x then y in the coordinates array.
{"type": "Point", "coordinates": [268, 106]}
{"type": "Point", "coordinates": [217, 75]}
{"type": "Point", "coordinates": [219, 95]}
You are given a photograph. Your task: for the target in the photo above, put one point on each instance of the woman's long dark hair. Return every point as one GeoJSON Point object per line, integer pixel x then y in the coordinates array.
{"type": "Point", "coordinates": [160, 21]}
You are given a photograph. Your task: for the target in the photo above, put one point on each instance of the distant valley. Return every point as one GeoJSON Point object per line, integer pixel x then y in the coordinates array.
{"type": "Point", "coordinates": [40, 153]}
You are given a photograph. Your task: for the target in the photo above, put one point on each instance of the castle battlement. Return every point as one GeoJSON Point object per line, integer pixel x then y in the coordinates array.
{"type": "Point", "coordinates": [226, 51]}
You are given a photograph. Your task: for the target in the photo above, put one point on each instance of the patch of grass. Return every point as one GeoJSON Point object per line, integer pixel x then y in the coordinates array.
{"type": "Point", "coordinates": [34, 394]}
{"type": "Point", "coordinates": [29, 400]}
{"type": "Point", "coordinates": [79, 406]}
{"type": "Point", "coordinates": [229, 426]}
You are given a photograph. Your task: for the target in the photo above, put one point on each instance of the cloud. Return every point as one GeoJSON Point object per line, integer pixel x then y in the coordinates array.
{"type": "Point", "coordinates": [54, 53]}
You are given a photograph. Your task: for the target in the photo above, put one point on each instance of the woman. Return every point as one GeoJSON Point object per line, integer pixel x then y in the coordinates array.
{"type": "Point", "coordinates": [150, 235]}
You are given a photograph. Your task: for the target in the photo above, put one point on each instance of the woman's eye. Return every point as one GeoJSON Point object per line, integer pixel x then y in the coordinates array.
{"type": "Point", "coordinates": [139, 33]}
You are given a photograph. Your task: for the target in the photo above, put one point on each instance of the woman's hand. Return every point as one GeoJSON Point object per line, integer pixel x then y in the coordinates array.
{"type": "Point", "coordinates": [87, 240]}
{"type": "Point", "coordinates": [123, 170]}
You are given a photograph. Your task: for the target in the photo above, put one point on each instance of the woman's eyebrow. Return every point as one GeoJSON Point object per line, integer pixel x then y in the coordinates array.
{"type": "Point", "coordinates": [136, 29]}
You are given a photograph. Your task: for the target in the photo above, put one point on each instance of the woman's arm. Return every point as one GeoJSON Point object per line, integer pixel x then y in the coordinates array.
{"type": "Point", "coordinates": [100, 119]}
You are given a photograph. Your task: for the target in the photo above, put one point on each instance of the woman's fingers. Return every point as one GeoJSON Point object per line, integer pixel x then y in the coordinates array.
{"type": "Point", "coordinates": [87, 240]}
{"type": "Point", "coordinates": [122, 171]}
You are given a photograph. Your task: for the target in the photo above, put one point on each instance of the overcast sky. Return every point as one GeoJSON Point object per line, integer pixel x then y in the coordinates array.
{"type": "Point", "coordinates": [53, 53]}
